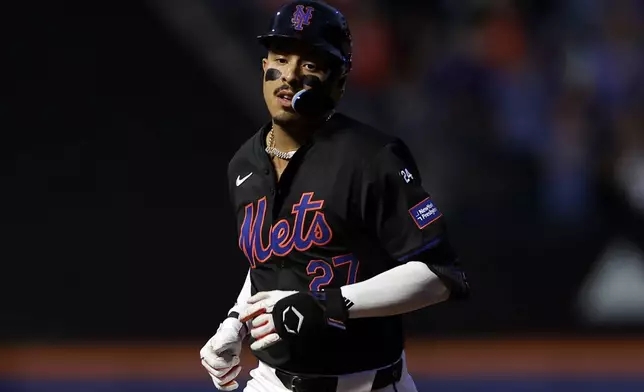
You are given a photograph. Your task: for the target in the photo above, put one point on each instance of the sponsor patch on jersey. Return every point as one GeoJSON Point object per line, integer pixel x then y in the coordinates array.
{"type": "Point", "coordinates": [424, 213]}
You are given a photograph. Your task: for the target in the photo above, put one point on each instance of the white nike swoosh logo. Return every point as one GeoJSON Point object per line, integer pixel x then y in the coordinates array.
{"type": "Point", "coordinates": [240, 181]}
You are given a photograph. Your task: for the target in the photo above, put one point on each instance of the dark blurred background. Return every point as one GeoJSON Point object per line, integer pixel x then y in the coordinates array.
{"type": "Point", "coordinates": [120, 118]}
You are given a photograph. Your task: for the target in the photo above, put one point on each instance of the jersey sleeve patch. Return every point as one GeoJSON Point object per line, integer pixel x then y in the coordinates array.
{"type": "Point", "coordinates": [424, 213]}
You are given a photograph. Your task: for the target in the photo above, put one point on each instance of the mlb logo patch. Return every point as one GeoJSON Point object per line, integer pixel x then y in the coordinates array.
{"type": "Point", "coordinates": [424, 213]}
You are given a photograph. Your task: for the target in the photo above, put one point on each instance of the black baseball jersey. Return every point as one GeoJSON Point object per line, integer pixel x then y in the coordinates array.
{"type": "Point", "coordinates": [349, 206]}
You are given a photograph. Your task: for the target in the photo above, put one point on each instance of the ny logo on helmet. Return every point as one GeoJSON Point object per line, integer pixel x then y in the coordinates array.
{"type": "Point", "coordinates": [302, 17]}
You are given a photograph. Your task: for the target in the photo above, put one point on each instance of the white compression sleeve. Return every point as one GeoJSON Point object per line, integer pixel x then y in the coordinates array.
{"type": "Point", "coordinates": [244, 294]}
{"type": "Point", "coordinates": [403, 289]}
{"type": "Point", "coordinates": [240, 305]}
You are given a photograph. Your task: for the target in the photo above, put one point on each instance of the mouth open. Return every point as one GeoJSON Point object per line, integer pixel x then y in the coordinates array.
{"type": "Point", "coordinates": [285, 98]}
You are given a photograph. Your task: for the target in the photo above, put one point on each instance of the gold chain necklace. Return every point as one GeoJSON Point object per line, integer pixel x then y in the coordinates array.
{"type": "Point", "coordinates": [272, 151]}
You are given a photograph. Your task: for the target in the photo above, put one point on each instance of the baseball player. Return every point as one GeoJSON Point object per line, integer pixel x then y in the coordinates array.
{"type": "Point", "coordinates": [340, 235]}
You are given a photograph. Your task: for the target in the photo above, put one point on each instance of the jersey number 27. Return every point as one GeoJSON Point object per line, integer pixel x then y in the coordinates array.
{"type": "Point", "coordinates": [323, 270]}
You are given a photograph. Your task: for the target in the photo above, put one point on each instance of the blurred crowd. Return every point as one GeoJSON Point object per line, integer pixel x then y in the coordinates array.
{"type": "Point", "coordinates": [515, 96]}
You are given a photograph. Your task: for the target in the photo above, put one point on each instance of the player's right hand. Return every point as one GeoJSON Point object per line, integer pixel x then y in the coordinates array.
{"type": "Point", "coordinates": [220, 355]}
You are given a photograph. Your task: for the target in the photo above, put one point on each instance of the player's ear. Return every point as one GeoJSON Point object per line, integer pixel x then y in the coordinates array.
{"type": "Point", "coordinates": [342, 84]}
{"type": "Point", "coordinates": [338, 91]}
{"type": "Point", "coordinates": [264, 64]}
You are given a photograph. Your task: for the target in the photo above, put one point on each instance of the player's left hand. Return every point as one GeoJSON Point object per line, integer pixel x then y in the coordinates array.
{"type": "Point", "coordinates": [262, 326]}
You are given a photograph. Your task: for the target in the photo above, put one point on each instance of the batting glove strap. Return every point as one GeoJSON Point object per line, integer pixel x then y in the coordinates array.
{"type": "Point", "coordinates": [306, 314]}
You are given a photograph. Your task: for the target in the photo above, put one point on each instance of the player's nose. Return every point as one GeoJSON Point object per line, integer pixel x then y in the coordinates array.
{"type": "Point", "coordinates": [291, 74]}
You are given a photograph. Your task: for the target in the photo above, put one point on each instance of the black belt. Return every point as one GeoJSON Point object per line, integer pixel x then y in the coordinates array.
{"type": "Point", "coordinates": [384, 377]}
